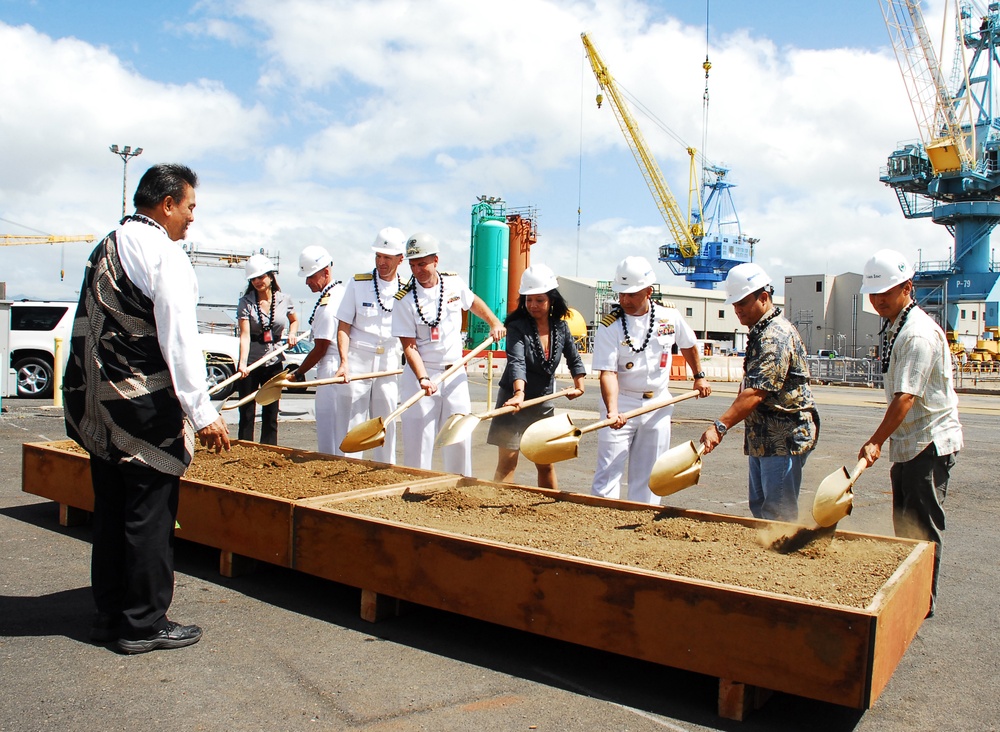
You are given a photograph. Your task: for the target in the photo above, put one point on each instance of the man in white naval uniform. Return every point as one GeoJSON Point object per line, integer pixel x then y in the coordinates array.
{"type": "Point", "coordinates": [427, 318]}
{"type": "Point", "coordinates": [366, 344]}
{"type": "Point", "coordinates": [632, 351]}
{"type": "Point", "coordinates": [315, 265]}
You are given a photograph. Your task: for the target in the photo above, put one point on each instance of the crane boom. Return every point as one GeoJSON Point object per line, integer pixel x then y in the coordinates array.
{"type": "Point", "coordinates": [672, 215]}
{"type": "Point", "coordinates": [948, 141]}
{"type": "Point", "coordinates": [9, 240]}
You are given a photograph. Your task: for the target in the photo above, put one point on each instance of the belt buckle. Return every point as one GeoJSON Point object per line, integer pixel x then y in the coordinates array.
{"type": "Point", "coordinates": [647, 395]}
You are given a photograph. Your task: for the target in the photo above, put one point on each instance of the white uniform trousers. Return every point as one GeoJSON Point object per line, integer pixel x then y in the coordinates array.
{"type": "Point", "coordinates": [359, 401]}
{"type": "Point", "coordinates": [422, 422]}
{"type": "Point", "coordinates": [641, 441]}
{"type": "Point", "coordinates": [328, 435]}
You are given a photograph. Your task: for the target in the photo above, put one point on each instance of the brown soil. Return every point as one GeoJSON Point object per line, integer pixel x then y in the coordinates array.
{"type": "Point", "coordinates": [294, 476]}
{"type": "Point", "coordinates": [846, 572]}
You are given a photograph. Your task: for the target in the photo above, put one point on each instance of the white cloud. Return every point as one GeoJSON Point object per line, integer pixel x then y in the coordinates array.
{"type": "Point", "coordinates": [397, 113]}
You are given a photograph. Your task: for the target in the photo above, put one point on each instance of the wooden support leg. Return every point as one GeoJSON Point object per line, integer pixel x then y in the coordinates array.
{"type": "Point", "coordinates": [375, 607]}
{"type": "Point", "coordinates": [72, 516]}
{"type": "Point", "coordinates": [235, 565]}
{"type": "Point", "coordinates": [736, 699]}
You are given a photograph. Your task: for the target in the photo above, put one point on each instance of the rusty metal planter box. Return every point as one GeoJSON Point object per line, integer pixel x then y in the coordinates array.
{"type": "Point", "coordinates": [246, 523]}
{"type": "Point", "coordinates": [823, 651]}
{"type": "Point", "coordinates": [818, 650]}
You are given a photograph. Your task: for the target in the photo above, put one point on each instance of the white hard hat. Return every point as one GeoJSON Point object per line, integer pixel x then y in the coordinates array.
{"type": "Point", "coordinates": [258, 265]}
{"type": "Point", "coordinates": [886, 269]}
{"type": "Point", "coordinates": [537, 280]}
{"type": "Point", "coordinates": [744, 279]}
{"type": "Point", "coordinates": [633, 274]}
{"type": "Point", "coordinates": [421, 244]}
{"type": "Point", "coordinates": [312, 260]}
{"type": "Point", "coordinates": [390, 241]}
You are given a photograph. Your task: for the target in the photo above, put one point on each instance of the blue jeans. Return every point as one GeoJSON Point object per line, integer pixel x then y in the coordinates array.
{"type": "Point", "coordinates": [774, 486]}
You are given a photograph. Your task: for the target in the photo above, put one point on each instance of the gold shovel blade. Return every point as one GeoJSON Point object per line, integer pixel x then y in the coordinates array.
{"type": "Point", "coordinates": [271, 391]}
{"type": "Point", "coordinates": [551, 440]}
{"type": "Point", "coordinates": [456, 428]}
{"type": "Point", "coordinates": [365, 436]}
{"type": "Point", "coordinates": [676, 469]}
{"type": "Point", "coordinates": [834, 498]}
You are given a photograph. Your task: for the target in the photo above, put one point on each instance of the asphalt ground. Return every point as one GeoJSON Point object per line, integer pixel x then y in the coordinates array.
{"type": "Point", "coordinates": [285, 651]}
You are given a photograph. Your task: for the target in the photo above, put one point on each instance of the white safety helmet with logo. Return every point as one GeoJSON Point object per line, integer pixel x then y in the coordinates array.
{"type": "Point", "coordinates": [421, 244]}
{"type": "Point", "coordinates": [258, 265]}
{"type": "Point", "coordinates": [312, 260]}
{"type": "Point", "coordinates": [886, 269]}
{"type": "Point", "coordinates": [537, 280]}
{"type": "Point", "coordinates": [745, 279]}
{"type": "Point", "coordinates": [390, 241]}
{"type": "Point", "coordinates": [633, 274]}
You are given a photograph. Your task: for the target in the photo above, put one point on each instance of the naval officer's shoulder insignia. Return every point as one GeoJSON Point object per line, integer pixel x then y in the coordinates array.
{"type": "Point", "coordinates": [362, 276]}
{"type": "Point", "coordinates": [611, 317]}
{"type": "Point", "coordinates": [401, 293]}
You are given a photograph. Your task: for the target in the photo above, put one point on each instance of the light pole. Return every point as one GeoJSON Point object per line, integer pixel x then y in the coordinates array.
{"type": "Point", "coordinates": [125, 153]}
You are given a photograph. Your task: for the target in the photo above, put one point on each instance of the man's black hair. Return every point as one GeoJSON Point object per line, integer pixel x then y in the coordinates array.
{"type": "Point", "coordinates": [162, 180]}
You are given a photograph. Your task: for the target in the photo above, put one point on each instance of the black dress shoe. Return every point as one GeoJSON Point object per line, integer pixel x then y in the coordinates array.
{"type": "Point", "coordinates": [104, 629]}
{"type": "Point", "coordinates": [174, 635]}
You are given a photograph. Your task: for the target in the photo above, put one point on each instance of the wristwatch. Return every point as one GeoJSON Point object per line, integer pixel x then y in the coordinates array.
{"type": "Point", "coordinates": [721, 428]}
{"type": "Point", "coordinates": [699, 375]}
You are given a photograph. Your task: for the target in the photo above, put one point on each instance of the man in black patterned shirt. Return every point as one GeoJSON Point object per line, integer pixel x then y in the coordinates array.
{"type": "Point", "coordinates": [782, 424]}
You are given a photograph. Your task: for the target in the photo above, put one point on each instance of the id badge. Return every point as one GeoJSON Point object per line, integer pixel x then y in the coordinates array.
{"type": "Point", "coordinates": [435, 334]}
{"type": "Point", "coordinates": [664, 359]}
{"type": "Point", "coordinates": [267, 336]}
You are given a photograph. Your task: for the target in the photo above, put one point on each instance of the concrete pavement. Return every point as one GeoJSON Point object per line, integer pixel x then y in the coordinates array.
{"type": "Point", "coordinates": [283, 651]}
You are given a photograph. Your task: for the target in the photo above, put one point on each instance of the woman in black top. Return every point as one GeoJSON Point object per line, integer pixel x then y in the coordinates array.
{"type": "Point", "coordinates": [537, 338]}
{"type": "Point", "coordinates": [264, 314]}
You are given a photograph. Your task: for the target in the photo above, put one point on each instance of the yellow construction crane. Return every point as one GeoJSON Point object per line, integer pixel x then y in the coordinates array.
{"type": "Point", "coordinates": [685, 234]}
{"type": "Point", "coordinates": [10, 240]}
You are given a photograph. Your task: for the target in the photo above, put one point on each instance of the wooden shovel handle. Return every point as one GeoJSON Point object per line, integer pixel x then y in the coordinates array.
{"type": "Point", "coordinates": [528, 403]}
{"type": "Point", "coordinates": [858, 469]}
{"type": "Point", "coordinates": [263, 359]}
{"type": "Point", "coordinates": [439, 379]}
{"type": "Point", "coordinates": [340, 379]}
{"type": "Point", "coordinates": [641, 410]}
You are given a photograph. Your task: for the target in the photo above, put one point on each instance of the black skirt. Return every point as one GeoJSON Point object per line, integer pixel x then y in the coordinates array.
{"type": "Point", "coordinates": [506, 430]}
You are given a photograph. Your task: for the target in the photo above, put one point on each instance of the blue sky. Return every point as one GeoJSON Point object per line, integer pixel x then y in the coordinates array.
{"type": "Point", "coordinates": [321, 121]}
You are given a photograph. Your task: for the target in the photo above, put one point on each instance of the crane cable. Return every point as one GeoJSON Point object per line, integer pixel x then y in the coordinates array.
{"type": "Point", "coordinates": [704, 97]}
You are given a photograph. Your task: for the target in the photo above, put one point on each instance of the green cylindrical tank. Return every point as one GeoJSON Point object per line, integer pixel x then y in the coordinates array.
{"type": "Point", "coordinates": [488, 279]}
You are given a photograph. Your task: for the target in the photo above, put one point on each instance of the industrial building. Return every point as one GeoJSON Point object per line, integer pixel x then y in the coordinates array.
{"type": "Point", "coordinates": [831, 314]}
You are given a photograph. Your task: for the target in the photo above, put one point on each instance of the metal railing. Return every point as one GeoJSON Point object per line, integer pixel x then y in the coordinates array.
{"type": "Point", "coordinates": [854, 371]}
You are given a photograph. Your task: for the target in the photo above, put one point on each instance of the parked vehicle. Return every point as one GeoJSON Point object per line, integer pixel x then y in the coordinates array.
{"type": "Point", "coordinates": [35, 325]}
{"type": "Point", "coordinates": [295, 355]}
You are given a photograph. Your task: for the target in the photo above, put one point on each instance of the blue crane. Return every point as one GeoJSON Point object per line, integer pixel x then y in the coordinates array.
{"type": "Point", "coordinates": [951, 176]}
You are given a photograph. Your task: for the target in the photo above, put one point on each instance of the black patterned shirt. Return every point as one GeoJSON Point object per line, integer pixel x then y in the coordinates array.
{"type": "Point", "coordinates": [786, 422]}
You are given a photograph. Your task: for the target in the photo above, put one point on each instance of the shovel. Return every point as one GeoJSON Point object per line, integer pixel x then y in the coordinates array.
{"type": "Point", "coordinates": [676, 469]}
{"type": "Point", "coordinates": [271, 391]}
{"type": "Point", "coordinates": [554, 439]}
{"type": "Point", "coordinates": [834, 500]}
{"type": "Point", "coordinates": [834, 497]}
{"type": "Point", "coordinates": [371, 434]}
{"type": "Point", "coordinates": [459, 426]}
{"type": "Point", "coordinates": [263, 359]}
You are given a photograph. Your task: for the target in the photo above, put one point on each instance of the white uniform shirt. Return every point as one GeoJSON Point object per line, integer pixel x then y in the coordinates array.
{"type": "Point", "coordinates": [648, 370]}
{"type": "Point", "coordinates": [371, 325]}
{"type": "Point", "coordinates": [162, 271]}
{"type": "Point", "coordinates": [324, 327]}
{"type": "Point", "coordinates": [921, 366]}
{"type": "Point", "coordinates": [406, 322]}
